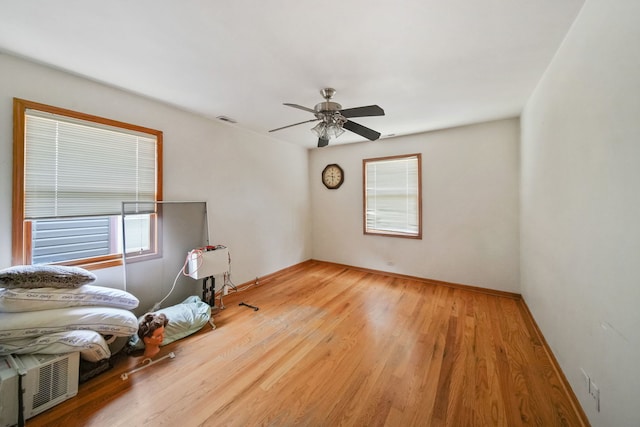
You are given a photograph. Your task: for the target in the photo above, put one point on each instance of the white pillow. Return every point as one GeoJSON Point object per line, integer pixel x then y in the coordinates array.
{"type": "Point", "coordinates": [21, 299]}
{"type": "Point", "coordinates": [106, 320]}
{"type": "Point", "coordinates": [45, 276]}
{"type": "Point", "coordinates": [90, 344]}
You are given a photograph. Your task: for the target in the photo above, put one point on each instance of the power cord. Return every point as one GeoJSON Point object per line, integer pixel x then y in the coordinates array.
{"type": "Point", "coordinates": [226, 282]}
{"type": "Point", "coordinates": [182, 270]}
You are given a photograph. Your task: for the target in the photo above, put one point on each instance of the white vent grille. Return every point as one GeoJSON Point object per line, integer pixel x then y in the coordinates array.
{"type": "Point", "coordinates": [52, 383]}
{"type": "Point", "coordinates": [50, 379]}
{"type": "Point", "coordinates": [47, 380]}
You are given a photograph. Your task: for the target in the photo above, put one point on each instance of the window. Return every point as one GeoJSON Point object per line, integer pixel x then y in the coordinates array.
{"type": "Point", "coordinates": [392, 196]}
{"type": "Point", "coordinates": [72, 171]}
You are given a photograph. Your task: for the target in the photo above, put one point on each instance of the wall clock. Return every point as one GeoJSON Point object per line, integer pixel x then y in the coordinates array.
{"type": "Point", "coordinates": [332, 176]}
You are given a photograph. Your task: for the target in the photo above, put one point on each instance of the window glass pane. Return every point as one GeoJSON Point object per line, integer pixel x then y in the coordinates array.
{"type": "Point", "coordinates": [60, 240]}
{"type": "Point", "coordinates": [138, 233]}
{"type": "Point", "coordinates": [70, 239]}
{"type": "Point", "coordinates": [392, 199]}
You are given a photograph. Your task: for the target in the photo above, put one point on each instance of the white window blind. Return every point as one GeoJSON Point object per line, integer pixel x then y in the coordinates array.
{"type": "Point", "coordinates": [392, 199]}
{"type": "Point", "coordinates": [79, 168]}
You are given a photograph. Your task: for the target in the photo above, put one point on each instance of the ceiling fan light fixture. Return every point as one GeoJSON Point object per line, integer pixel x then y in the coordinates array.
{"type": "Point", "coordinates": [321, 130]}
{"type": "Point", "coordinates": [337, 131]}
{"type": "Point", "coordinates": [334, 120]}
{"type": "Point", "coordinates": [328, 130]}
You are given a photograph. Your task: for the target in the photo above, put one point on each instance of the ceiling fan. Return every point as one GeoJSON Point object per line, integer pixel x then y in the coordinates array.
{"type": "Point", "coordinates": [333, 119]}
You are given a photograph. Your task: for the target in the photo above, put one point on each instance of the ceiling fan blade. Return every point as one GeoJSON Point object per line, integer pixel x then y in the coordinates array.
{"type": "Point", "coordinates": [300, 107]}
{"type": "Point", "coordinates": [370, 134]}
{"type": "Point", "coordinates": [323, 142]}
{"type": "Point", "coordinates": [295, 124]}
{"type": "Point", "coordinates": [369, 110]}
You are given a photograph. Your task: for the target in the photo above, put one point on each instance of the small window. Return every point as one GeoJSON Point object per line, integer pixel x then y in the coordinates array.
{"type": "Point", "coordinates": [392, 196]}
{"type": "Point", "coordinates": [72, 171]}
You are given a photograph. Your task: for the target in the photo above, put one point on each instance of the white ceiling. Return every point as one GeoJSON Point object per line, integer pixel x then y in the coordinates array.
{"type": "Point", "coordinates": [429, 63]}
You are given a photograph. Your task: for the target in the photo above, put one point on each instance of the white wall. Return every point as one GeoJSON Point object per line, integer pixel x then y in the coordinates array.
{"type": "Point", "coordinates": [257, 188]}
{"type": "Point", "coordinates": [470, 207]}
{"type": "Point", "coordinates": [580, 208]}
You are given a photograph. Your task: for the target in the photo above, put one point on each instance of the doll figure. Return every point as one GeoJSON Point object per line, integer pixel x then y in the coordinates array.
{"type": "Point", "coordinates": [151, 332]}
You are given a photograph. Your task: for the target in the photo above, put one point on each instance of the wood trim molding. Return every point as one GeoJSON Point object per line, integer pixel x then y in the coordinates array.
{"type": "Point", "coordinates": [270, 277]}
{"type": "Point", "coordinates": [494, 292]}
{"type": "Point", "coordinates": [564, 383]}
{"type": "Point", "coordinates": [17, 227]}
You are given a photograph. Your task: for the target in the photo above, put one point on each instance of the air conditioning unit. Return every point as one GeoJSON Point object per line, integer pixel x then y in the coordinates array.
{"type": "Point", "coordinates": [209, 262]}
{"type": "Point", "coordinates": [48, 380]}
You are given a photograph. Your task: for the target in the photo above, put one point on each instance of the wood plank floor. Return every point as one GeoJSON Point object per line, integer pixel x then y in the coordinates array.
{"type": "Point", "coordinates": [335, 346]}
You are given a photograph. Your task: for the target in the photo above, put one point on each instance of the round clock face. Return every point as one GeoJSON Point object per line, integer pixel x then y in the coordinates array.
{"type": "Point", "coordinates": [332, 176]}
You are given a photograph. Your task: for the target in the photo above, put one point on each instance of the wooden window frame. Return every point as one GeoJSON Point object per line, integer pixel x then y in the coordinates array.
{"type": "Point", "coordinates": [21, 228]}
{"type": "Point", "coordinates": [418, 235]}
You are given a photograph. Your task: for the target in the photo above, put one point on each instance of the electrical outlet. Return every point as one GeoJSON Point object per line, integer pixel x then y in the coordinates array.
{"type": "Point", "coordinates": [585, 378]}
{"type": "Point", "coordinates": [594, 391]}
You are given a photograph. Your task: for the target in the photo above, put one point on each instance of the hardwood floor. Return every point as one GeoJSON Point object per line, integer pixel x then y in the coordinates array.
{"type": "Point", "coordinates": [332, 346]}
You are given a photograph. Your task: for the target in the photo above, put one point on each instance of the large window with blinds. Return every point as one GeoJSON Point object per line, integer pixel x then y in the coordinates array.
{"type": "Point", "coordinates": [392, 196]}
{"type": "Point", "coordinates": [72, 171]}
